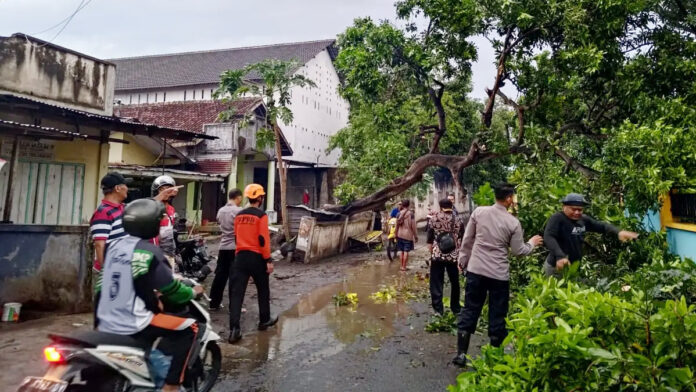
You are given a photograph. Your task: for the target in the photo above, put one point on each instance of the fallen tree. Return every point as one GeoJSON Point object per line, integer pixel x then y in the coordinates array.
{"type": "Point", "coordinates": [583, 70]}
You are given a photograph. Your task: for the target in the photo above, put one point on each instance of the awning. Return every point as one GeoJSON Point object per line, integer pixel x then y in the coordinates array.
{"type": "Point", "coordinates": [29, 130]}
{"type": "Point", "coordinates": [153, 172]}
{"type": "Point", "coordinates": [37, 108]}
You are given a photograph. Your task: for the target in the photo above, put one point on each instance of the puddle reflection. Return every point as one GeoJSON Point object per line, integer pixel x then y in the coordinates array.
{"type": "Point", "coordinates": [315, 328]}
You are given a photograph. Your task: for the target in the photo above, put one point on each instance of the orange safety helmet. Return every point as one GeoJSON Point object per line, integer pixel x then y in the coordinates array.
{"type": "Point", "coordinates": [254, 191]}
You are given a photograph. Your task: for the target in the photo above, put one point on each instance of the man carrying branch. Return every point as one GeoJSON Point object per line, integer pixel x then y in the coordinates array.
{"type": "Point", "coordinates": [565, 232]}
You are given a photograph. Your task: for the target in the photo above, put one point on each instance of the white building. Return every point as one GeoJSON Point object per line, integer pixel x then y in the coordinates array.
{"type": "Point", "coordinates": [319, 112]}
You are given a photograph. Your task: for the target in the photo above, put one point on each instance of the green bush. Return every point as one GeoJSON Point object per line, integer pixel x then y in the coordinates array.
{"type": "Point", "coordinates": [568, 337]}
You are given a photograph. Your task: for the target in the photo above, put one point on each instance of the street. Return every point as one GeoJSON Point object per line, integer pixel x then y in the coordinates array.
{"type": "Point", "coordinates": [316, 346]}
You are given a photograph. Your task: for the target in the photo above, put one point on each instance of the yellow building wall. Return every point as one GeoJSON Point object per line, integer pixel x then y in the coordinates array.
{"type": "Point", "coordinates": [94, 157]}
{"type": "Point", "coordinates": [131, 153]}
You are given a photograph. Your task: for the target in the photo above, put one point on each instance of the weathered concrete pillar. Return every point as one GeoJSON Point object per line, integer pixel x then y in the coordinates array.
{"type": "Point", "coordinates": [232, 181]}
{"type": "Point", "coordinates": [270, 192]}
{"type": "Point", "coordinates": [324, 190]}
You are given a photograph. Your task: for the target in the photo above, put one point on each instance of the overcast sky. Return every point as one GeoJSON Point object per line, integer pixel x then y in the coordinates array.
{"type": "Point", "coordinates": [123, 28]}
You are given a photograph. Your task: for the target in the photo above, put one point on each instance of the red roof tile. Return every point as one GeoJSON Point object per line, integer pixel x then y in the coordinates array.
{"type": "Point", "coordinates": [189, 115]}
{"type": "Point", "coordinates": [212, 166]}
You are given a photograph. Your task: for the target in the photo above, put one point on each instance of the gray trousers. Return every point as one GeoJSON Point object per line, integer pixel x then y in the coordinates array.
{"type": "Point", "coordinates": [550, 270]}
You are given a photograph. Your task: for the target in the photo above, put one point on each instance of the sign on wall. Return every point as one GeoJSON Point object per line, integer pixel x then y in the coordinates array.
{"type": "Point", "coordinates": [37, 150]}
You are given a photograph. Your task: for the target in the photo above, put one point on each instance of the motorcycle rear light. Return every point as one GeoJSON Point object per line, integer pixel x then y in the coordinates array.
{"type": "Point", "coordinates": [52, 355]}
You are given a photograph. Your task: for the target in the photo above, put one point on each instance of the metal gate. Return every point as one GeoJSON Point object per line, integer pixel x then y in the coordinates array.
{"type": "Point", "coordinates": [45, 193]}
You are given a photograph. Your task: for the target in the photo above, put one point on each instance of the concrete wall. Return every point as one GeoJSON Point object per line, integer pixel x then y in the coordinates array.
{"type": "Point", "coordinates": [56, 75]}
{"type": "Point", "coordinates": [682, 242]}
{"type": "Point", "coordinates": [430, 202]}
{"type": "Point", "coordinates": [319, 113]}
{"type": "Point", "coordinates": [46, 267]}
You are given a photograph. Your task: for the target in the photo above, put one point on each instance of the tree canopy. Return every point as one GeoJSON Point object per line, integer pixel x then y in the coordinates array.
{"type": "Point", "coordinates": [606, 97]}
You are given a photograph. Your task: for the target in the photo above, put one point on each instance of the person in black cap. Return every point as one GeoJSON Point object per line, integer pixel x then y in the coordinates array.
{"type": "Point", "coordinates": [106, 225]}
{"type": "Point", "coordinates": [565, 232]}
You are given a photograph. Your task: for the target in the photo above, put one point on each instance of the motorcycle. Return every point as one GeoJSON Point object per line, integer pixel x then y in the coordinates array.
{"type": "Point", "coordinates": [95, 361]}
{"type": "Point", "coordinates": [192, 258]}
{"type": "Point", "coordinates": [191, 254]}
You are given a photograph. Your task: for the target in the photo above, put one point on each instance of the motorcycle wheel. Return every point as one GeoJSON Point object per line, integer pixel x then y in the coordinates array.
{"type": "Point", "coordinates": [211, 364]}
{"type": "Point", "coordinates": [391, 250]}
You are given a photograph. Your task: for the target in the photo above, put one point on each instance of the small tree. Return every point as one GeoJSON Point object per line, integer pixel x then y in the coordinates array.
{"type": "Point", "coordinates": [272, 80]}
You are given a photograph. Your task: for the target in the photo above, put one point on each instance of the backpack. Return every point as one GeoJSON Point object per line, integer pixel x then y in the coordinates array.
{"type": "Point", "coordinates": [446, 241]}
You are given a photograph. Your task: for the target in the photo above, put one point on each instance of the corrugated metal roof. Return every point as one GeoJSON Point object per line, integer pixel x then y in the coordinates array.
{"type": "Point", "coordinates": [116, 123]}
{"type": "Point", "coordinates": [205, 67]}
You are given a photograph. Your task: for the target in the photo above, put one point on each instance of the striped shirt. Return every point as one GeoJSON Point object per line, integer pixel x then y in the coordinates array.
{"type": "Point", "coordinates": [106, 224]}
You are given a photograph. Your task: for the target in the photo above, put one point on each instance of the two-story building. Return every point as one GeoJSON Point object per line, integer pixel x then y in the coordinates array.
{"type": "Point", "coordinates": [319, 112]}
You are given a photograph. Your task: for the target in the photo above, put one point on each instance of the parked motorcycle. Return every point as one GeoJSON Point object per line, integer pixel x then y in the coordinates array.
{"type": "Point", "coordinates": [103, 362]}
{"type": "Point", "coordinates": [192, 258]}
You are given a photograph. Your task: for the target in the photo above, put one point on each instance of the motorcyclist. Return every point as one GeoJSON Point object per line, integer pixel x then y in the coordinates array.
{"type": "Point", "coordinates": [165, 240]}
{"type": "Point", "coordinates": [136, 285]}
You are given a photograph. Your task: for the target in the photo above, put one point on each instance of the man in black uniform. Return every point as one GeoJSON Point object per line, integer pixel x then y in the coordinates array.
{"type": "Point", "coordinates": [565, 232]}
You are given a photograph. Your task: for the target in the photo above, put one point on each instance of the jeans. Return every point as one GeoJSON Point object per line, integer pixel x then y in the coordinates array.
{"type": "Point", "coordinates": [175, 343]}
{"type": "Point", "coordinates": [478, 287]}
{"type": "Point", "coordinates": [222, 275]}
{"type": "Point", "coordinates": [249, 264]}
{"type": "Point", "coordinates": [437, 282]}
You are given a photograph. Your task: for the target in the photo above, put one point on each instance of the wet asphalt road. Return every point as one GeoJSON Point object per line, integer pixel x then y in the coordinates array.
{"type": "Point", "coordinates": [318, 346]}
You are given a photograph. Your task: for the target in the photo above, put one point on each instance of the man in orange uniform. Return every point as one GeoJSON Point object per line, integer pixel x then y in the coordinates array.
{"type": "Point", "coordinates": [253, 259]}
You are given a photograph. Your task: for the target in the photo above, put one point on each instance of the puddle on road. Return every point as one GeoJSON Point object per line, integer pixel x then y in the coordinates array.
{"type": "Point", "coordinates": [315, 328]}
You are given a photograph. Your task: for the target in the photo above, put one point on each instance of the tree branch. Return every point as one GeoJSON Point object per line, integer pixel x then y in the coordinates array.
{"type": "Point", "coordinates": [520, 116]}
{"type": "Point", "coordinates": [413, 175]}
{"type": "Point", "coordinates": [577, 166]}
{"type": "Point", "coordinates": [436, 97]}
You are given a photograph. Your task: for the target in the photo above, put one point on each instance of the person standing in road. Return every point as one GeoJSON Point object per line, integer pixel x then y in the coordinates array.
{"type": "Point", "coordinates": [492, 232]}
{"type": "Point", "coordinates": [406, 232]}
{"type": "Point", "coordinates": [453, 199]}
{"type": "Point", "coordinates": [106, 224]}
{"type": "Point", "coordinates": [565, 232]}
{"type": "Point", "coordinates": [395, 211]}
{"type": "Point", "coordinates": [253, 259]}
{"type": "Point", "coordinates": [165, 185]}
{"type": "Point", "coordinates": [225, 218]}
{"type": "Point", "coordinates": [444, 231]}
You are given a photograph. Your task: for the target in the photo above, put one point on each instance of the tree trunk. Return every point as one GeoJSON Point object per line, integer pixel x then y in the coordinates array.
{"type": "Point", "coordinates": [414, 174]}
{"type": "Point", "coordinates": [282, 171]}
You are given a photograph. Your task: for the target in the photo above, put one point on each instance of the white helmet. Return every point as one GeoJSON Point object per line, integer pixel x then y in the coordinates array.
{"type": "Point", "coordinates": [160, 182]}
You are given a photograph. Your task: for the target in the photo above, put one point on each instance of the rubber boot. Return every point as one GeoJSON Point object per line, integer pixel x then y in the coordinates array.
{"type": "Point", "coordinates": [463, 339]}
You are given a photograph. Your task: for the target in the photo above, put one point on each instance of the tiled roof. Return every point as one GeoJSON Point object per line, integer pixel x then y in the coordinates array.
{"type": "Point", "coordinates": [189, 115]}
{"type": "Point", "coordinates": [213, 166]}
{"type": "Point", "coordinates": [198, 68]}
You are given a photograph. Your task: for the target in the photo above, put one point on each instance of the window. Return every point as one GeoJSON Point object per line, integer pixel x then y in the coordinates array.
{"type": "Point", "coordinates": [184, 95]}
{"type": "Point", "coordinates": [211, 93]}
{"type": "Point", "coordinates": [194, 95]}
{"type": "Point", "coordinates": [138, 98]}
{"type": "Point", "coordinates": [46, 193]}
{"type": "Point", "coordinates": [155, 97]}
{"type": "Point", "coordinates": [684, 207]}
{"type": "Point", "coordinates": [202, 94]}
{"type": "Point", "coordinates": [130, 100]}
{"type": "Point", "coordinates": [164, 96]}
{"type": "Point", "coordinates": [147, 98]}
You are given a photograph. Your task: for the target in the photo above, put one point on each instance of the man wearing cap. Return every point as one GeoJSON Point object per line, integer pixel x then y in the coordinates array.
{"type": "Point", "coordinates": [566, 230]}
{"type": "Point", "coordinates": [106, 225]}
{"type": "Point", "coordinates": [252, 259]}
